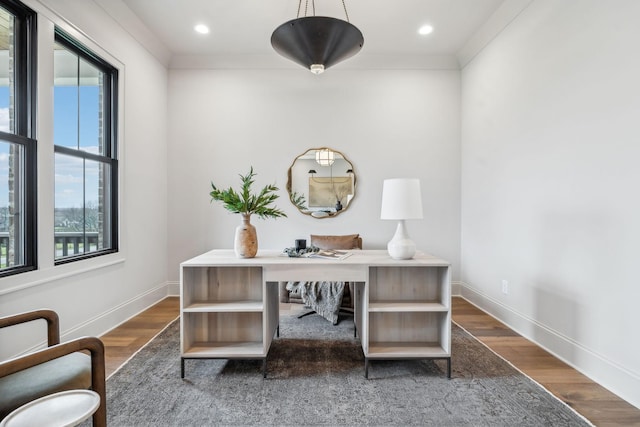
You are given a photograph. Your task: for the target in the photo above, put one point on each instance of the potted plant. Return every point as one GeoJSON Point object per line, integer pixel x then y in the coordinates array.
{"type": "Point", "coordinates": [246, 204]}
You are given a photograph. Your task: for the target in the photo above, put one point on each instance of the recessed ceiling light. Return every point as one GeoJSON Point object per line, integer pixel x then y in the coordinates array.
{"type": "Point", "coordinates": [201, 28]}
{"type": "Point", "coordinates": [425, 29]}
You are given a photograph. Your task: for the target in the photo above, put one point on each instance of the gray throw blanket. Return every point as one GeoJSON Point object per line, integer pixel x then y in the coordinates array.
{"type": "Point", "coordinates": [322, 297]}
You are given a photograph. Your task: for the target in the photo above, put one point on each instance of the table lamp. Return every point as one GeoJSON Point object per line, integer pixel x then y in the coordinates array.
{"type": "Point", "coordinates": [401, 200]}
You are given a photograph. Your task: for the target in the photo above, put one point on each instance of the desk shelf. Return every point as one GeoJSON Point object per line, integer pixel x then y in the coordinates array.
{"type": "Point", "coordinates": [225, 349]}
{"type": "Point", "coordinates": [392, 306]}
{"type": "Point", "coordinates": [222, 312]}
{"type": "Point", "coordinates": [407, 312]}
{"type": "Point", "coordinates": [233, 306]}
{"type": "Point", "coordinates": [406, 350]}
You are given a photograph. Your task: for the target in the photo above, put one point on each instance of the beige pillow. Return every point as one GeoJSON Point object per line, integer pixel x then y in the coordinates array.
{"type": "Point", "coordinates": [349, 241]}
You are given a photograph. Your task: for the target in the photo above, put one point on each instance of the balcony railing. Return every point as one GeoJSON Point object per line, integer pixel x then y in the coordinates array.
{"type": "Point", "coordinates": [4, 249]}
{"type": "Point", "coordinates": [75, 242]}
{"type": "Point", "coordinates": [66, 243]}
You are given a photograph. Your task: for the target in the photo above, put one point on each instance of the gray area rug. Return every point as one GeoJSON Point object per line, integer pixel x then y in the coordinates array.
{"type": "Point", "coordinates": [315, 376]}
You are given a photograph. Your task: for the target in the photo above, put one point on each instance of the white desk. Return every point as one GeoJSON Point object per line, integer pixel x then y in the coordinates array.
{"type": "Point", "coordinates": [229, 306]}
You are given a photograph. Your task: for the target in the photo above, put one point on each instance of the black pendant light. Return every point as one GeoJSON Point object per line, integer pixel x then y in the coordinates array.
{"type": "Point", "coordinates": [317, 42]}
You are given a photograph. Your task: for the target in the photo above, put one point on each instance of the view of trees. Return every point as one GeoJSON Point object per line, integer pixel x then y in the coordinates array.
{"type": "Point", "coordinates": [75, 219]}
{"type": "Point", "coordinates": [66, 219]}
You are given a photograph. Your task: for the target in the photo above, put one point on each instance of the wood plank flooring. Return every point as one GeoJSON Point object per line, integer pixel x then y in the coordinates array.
{"type": "Point", "coordinates": [594, 402]}
{"type": "Point", "coordinates": [124, 341]}
{"type": "Point", "coordinates": [591, 400]}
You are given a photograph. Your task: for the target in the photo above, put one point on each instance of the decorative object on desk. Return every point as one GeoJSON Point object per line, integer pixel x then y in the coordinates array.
{"type": "Point", "coordinates": [297, 253]}
{"type": "Point", "coordinates": [317, 42]}
{"type": "Point", "coordinates": [301, 244]}
{"type": "Point", "coordinates": [246, 203]}
{"type": "Point", "coordinates": [401, 200]}
{"type": "Point", "coordinates": [245, 242]}
{"type": "Point", "coordinates": [330, 254]}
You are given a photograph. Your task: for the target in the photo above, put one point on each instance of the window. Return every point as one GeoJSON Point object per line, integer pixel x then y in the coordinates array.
{"type": "Point", "coordinates": [17, 146]}
{"type": "Point", "coordinates": [85, 101]}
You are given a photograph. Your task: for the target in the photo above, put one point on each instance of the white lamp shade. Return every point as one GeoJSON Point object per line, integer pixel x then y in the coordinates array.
{"type": "Point", "coordinates": [401, 199]}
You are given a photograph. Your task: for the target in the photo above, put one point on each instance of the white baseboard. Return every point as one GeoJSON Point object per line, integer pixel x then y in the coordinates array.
{"type": "Point", "coordinates": [607, 373]}
{"type": "Point", "coordinates": [456, 288]}
{"type": "Point", "coordinates": [173, 289]}
{"type": "Point", "coordinates": [104, 322]}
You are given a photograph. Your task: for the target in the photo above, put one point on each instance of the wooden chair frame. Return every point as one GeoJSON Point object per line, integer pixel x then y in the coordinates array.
{"type": "Point", "coordinates": [55, 350]}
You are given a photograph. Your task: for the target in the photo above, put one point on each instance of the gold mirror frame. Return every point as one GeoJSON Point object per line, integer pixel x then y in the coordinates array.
{"type": "Point", "coordinates": [321, 182]}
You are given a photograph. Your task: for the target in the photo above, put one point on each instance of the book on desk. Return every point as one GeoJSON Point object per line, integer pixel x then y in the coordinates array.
{"type": "Point", "coordinates": [329, 254]}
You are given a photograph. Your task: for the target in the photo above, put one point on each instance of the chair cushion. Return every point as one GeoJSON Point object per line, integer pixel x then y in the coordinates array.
{"type": "Point", "coordinates": [69, 372]}
{"type": "Point", "coordinates": [349, 241]}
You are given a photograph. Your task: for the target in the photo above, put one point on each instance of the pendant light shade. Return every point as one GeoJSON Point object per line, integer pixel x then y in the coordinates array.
{"type": "Point", "coordinates": [317, 42]}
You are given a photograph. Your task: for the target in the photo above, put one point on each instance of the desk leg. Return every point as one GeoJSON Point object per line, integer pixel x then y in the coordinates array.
{"type": "Point", "coordinates": [182, 367]}
{"type": "Point", "coordinates": [449, 368]}
{"type": "Point", "coordinates": [366, 368]}
{"type": "Point", "coordinates": [264, 368]}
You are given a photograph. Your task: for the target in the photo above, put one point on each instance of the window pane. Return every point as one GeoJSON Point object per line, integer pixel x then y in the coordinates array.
{"type": "Point", "coordinates": [77, 102]}
{"type": "Point", "coordinates": [65, 98]}
{"type": "Point", "coordinates": [90, 111]}
{"type": "Point", "coordinates": [95, 204]}
{"type": "Point", "coordinates": [11, 205]}
{"type": "Point", "coordinates": [7, 83]}
{"type": "Point", "coordinates": [80, 206]}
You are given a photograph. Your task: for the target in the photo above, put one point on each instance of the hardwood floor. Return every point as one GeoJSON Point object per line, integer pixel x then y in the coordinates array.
{"type": "Point", "coordinates": [125, 340]}
{"type": "Point", "coordinates": [594, 402]}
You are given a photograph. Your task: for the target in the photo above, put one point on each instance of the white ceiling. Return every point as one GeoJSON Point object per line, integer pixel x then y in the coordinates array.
{"type": "Point", "coordinates": [242, 28]}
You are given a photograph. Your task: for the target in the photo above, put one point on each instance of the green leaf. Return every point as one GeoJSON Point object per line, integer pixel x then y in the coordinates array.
{"type": "Point", "coordinates": [245, 201]}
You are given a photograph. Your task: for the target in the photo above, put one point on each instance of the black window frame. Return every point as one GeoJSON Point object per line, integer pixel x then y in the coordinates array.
{"type": "Point", "coordinates": [110, 127]}
{"type": "Point", "coordinates": [25, 63]}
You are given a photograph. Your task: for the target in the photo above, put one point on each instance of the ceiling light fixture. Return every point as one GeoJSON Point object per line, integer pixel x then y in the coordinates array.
{"type": "Point", "coordinates": [325, 157]}
{"type": "Point", "coordinates": [317, 42]}
{"type": "Point", "coordinates": [201, 28]}
{"type": "Point", "coordinates": [425, 29]}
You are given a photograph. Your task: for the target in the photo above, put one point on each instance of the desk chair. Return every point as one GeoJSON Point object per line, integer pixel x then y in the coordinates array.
{"type": "Point", "coordinates": [341, 242]}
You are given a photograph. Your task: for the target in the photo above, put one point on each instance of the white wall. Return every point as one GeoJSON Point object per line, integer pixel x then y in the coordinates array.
{"type": "Point", "coordinates": [387, 123]}
{"type": "Point", "coordinates": [550, 179]}
{"type": "Point", "coordinates": [94, 295]}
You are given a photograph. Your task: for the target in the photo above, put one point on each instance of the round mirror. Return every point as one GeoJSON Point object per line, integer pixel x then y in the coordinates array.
{"type": "Point", "coordinates": [321, 182]}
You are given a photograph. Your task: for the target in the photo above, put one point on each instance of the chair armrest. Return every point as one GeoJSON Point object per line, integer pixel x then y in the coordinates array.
{"type": "Point", "coordinates": [91, 344]}
{"type": "Point", "coordinates": [53, 323]}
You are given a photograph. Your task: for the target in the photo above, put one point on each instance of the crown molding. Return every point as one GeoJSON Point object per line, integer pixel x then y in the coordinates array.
{"type": "Point", "coordinates": [497, 22]}
{"type": "Point", "coordinates": [276, 62]}
{"type": "Point", "coordinates": [131, 24]}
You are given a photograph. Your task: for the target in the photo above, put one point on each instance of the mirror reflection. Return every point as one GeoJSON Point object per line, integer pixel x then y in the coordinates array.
{"type": "Point", "coordinates": [321, 182]}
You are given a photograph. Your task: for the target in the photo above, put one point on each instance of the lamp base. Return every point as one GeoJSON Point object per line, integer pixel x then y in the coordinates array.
{"type": "Point", "coordinates": [401, 246]}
